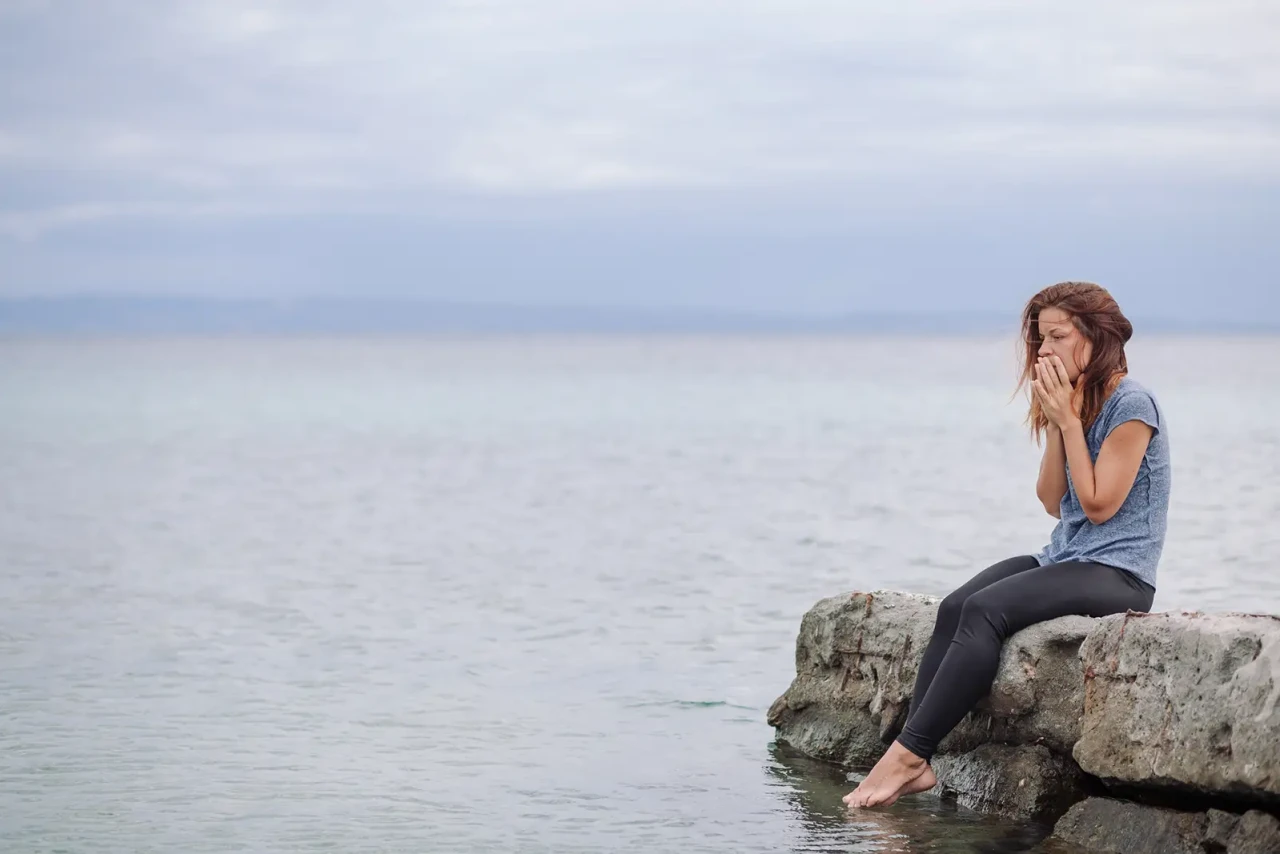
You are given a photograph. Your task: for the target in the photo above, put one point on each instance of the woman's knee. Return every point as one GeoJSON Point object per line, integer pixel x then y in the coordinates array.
{"type": "Point", "coordinates": [950, 609]}
{"type": "Point", "coordinates": [984, 607]}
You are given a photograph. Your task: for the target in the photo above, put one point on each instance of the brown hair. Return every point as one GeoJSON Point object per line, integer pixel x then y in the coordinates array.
{"type": "Point", "coordinates": [1095, 313]}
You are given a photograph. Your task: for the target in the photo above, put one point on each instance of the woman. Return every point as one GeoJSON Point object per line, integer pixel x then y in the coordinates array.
{"type": "Point", "coordinates": [1104, 475]}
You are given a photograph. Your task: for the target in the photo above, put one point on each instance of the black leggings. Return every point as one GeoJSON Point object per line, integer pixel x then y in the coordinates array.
{"type": "Point", "coordinates": [961, 659]}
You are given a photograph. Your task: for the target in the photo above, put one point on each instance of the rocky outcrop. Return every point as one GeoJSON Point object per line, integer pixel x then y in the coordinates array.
{"type": "Point", "coordinates": [1018, 781]}
{"type": "Point", "coordinates": [1184, 702]}
{"type": "Point", "coordinates": [1168, 709]}
{"type": "Point", "coordinates": [856, 661]}
{"type": "Point", "coordinates": [1112, 826]}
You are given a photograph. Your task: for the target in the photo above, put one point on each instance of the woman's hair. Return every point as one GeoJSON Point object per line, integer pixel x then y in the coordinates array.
{"type": "Point", "coordinates": [1095, 313]}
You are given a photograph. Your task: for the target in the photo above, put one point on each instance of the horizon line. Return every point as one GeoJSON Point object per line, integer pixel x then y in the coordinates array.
{"type": "Point", "coordinates": [136, 314]}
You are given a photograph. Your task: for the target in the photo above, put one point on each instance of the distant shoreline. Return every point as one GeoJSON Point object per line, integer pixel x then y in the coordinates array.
{"type": "Point", "coordinates": [153, 317]}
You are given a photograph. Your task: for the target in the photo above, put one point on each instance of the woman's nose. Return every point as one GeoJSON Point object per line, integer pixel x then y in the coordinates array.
{"type": "Point", "coordinates": [1044, 350]}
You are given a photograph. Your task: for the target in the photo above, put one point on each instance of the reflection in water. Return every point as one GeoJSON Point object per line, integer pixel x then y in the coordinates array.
{"type": "Point", "coordinates": [918, 823]}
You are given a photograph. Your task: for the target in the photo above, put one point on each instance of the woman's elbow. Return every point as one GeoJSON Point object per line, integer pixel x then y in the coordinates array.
{"type": "Point", "coordinates": [1099, 513]}
{"type": "Point", "coordinates": [1051, 503]}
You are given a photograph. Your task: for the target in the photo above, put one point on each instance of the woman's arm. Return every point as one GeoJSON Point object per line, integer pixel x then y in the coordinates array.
{"type": "Point", "coordinates": [1052, 483]}
{"type": "Point", "coordinates": [1102, 488]}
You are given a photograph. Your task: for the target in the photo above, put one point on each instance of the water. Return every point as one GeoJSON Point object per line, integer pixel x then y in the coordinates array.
{"type": "Point", "coordinates": [517, 595]}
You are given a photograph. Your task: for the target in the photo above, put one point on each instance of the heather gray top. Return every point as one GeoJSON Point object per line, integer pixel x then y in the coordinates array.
{"type": "Point", "coordinates": [1133, 538]}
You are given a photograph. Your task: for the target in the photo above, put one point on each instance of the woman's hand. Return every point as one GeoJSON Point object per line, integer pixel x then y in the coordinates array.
{"type": "Point", "coordinates": [1057, 398]}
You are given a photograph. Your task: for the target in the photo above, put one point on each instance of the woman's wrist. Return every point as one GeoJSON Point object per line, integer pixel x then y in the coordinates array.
{"type": "Point", "coordinates": [1067, 426]}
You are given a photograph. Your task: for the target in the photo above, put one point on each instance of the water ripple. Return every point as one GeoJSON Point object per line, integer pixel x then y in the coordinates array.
{"type": "Point", "coordinates": [512, 596]}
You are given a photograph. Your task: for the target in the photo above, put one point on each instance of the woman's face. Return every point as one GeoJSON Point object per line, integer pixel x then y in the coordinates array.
{"type": "Point", "coordinates": [1060, 337]}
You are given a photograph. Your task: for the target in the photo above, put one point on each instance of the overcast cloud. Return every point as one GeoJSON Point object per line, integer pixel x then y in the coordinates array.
{"type": "Point", "coordinates": [792, 154]}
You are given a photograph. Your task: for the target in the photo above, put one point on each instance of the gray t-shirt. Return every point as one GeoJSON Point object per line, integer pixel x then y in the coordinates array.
{"type": "Point", "coordinates": [1133, 538]}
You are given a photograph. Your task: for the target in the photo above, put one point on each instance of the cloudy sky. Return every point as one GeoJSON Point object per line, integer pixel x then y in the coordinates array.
{"type": "Point", "coordinates": [807, 155]}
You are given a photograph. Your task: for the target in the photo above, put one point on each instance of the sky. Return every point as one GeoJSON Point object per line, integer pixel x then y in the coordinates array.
{"type": "Point", "coordinates": [781, 155]}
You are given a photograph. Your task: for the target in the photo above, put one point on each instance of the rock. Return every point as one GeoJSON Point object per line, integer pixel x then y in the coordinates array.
{"type": "Point", "coordinates": [1028, 782]}
{"type": "Point", "coordinates": [1186, 702]}
{"type": "Point", "coordinates": [1218, 832]}
{"type": "Point", "coordinates": [1120, 827]}
{"type": "Point", "coordinates": [1179, 712]}
{"type": "Point", "coordinates": [856, 662]}
{"type": "Point", "coordinates": [1255, 833]}
{"type": "Point", "coordinates": [1037, 696]}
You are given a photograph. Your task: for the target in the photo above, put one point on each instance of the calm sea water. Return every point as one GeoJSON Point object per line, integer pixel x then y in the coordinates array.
{"type": "Point", "coordinates": [517, 595]}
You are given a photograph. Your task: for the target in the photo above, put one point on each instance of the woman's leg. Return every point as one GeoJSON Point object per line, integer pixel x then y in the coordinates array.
{"type": "Point", "coordinates": [944, 628]}
{"type": "Point", "coordinates": [993, 613]}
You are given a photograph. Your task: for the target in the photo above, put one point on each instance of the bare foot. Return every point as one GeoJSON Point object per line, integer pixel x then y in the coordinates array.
{"type": "Point", "coordinates": [899, 772]}
{"type": "Point", "coordinates": [926, 781]}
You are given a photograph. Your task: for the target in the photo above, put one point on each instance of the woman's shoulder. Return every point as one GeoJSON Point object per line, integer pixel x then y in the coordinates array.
{"type": "Point", "coordinates": [1129, 387]}
{"type": "Point", "coordinates": [1133, 399]}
